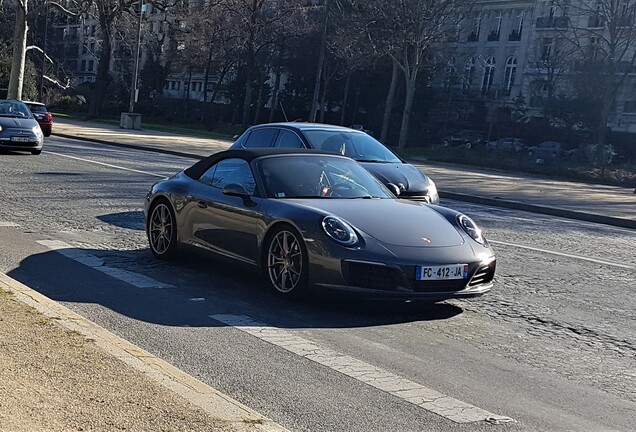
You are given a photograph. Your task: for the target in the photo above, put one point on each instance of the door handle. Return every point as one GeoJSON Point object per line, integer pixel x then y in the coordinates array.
{"type": "Point", "coordinates": [202, 204]}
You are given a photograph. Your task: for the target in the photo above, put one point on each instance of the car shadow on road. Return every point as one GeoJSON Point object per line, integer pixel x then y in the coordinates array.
{"type": "Point", "coordinates": [131, 220]}
{"type": "Point", "coordinates": [192, 289]}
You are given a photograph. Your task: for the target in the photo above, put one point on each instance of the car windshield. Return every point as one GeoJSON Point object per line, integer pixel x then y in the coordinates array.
{"type": "Point", "coordinates": [356, 145]}
{"type": "Point", "coordinates": [318, 176]}
{"type": "Point", "coordinates": [37, 108]}
{"type": "Point", "coordinates": [14, 109]}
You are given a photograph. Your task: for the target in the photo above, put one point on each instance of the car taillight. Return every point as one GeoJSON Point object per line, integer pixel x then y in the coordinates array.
{"type": "Point", "coordinates": [48, 117]}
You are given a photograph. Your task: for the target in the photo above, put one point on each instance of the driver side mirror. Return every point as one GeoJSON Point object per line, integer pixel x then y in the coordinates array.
{"type": "Point", "coordinates": [235, 189]}
{"type": "Point", "coordinates": [394, 188]}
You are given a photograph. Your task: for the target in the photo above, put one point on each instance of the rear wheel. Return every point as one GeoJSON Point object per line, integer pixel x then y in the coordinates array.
{"type": "Point", "coordinates": [162, 230]}
{"type": "Point", "coordinates": [286, 262]}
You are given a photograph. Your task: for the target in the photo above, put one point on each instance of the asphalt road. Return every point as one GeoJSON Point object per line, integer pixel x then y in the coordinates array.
{"type": "Point", "coordinates": [552, 347]}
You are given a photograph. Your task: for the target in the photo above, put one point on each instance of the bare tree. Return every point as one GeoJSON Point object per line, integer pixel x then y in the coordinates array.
{"type": "Point", "coordinates": [409, 32]}
{"type": "Point", "coordinates": [25, 9]}
{"type": "Point", "coordinates": [258, 26]}
{"type": "Point", "coordinates": [602, 34]}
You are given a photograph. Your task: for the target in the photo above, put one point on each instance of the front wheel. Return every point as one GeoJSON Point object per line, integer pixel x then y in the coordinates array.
{"type": "Point", "coordinates": [36, 152]}
{"type": "Point", "coordinates": [286, 262]}
{"type": "Point", "coordinates": [162, 231]}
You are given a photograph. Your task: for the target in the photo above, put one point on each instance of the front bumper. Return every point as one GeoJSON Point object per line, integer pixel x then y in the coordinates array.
{"type": "Point", "coordinates": [32, 144]}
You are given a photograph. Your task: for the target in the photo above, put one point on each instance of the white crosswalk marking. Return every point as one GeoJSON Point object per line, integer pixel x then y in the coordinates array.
{"type": "Point", "coordinates": [78, 255]}
{"type": "Point", "coordinates": [412, 392]}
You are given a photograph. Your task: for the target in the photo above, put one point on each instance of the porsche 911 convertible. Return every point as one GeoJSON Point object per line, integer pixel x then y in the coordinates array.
{"type": "Point", "coordinates": [311, 221]}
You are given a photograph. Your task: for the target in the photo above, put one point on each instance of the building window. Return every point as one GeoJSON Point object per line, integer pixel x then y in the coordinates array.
{"type": "Point", "coordinates": [91, 63]}
{"type": "Point", "coordinates": [489, 75]}
{"type": "Point", "coordinates": [495, 30]}
{"type": "Point", "coordinates": [595, 48]}
{"type": "Point", "coordinates": [83, 67]}
{"type": "Point", "coordinates": [510, 74]}
{"type": "Point", "coordinates": [474, 34]}
{"type": "Point", "coordinates": [469, 72]}
{"type": "Point", "coordinates": [547, 48]}
{"type": "Point", "coordinates": [517, 30]}
{"type": "Point", "coordinates": [449, 76]}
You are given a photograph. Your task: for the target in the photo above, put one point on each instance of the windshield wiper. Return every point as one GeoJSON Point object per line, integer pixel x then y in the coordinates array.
{"type": "Point", "coordinates": [373, 160]}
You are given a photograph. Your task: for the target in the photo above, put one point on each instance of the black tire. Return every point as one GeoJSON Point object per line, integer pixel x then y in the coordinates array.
{"type": "Point", "coordinates": [285, 262]}
{"type": "Point", "coordinates": [161, 230]}
{"type": "Point", "coordinates": [36, 152]}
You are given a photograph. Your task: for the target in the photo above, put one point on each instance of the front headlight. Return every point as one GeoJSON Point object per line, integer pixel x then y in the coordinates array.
{"type": "Point", "coordinates": [37, 131]}
{"type": "Point", "coordinates": [432, 189]}
{"type": "Point", "coordinates": [471, 229]}
{"type": "Point", "coordinates": [339, 230]}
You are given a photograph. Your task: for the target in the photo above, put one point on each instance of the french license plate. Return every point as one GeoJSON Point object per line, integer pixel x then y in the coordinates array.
{"type": "Point", "coordinates": [20, 139]}
{"type": "Point", "coordinates": [456, 271]}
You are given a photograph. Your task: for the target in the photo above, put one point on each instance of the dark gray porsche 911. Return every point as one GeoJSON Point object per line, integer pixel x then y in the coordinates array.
{"type": "Point", "coordinates": [307, 219]}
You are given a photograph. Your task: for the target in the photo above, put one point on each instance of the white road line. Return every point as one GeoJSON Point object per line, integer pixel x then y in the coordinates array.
{"type": "Point", "coordinates": [78, 255]}
{"type": "Point", "coordinates": [108, 165]}
{"type": "Point", "coordinates": [429, 399]}
{"type": "Point", "coordinates": [594, 260]}
{"type": "Point", "coordinates": [9, 224]}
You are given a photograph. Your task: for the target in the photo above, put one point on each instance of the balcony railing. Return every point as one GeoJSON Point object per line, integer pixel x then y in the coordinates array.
{"type": "Point", "coordinates": [553, 22]}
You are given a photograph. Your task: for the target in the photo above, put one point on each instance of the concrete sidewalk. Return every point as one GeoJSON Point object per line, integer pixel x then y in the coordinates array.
{"type": "Point", "coordinates": [590, 202]}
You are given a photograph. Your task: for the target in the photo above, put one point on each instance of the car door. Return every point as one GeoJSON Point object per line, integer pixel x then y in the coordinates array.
{"type": "Point", "coordinates": [223, 223]}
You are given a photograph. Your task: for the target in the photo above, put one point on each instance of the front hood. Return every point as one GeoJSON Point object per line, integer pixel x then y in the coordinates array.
{"type": "Point", "coordinates": [408, 178]}
{"type": "Point", "coordinates": [392, 222]}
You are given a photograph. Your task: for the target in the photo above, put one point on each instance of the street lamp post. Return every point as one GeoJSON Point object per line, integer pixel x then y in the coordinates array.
{"type": "Point", "coordinates": [132, 120]}
{"type": "Point", "coordinates": [133, 87]}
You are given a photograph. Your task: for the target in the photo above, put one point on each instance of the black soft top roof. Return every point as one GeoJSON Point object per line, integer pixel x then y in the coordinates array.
{"type": "Point", "coordinates": [196, 170]}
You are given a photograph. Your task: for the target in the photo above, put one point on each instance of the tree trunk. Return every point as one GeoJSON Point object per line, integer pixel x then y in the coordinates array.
{"type": "Point", "coordinates": [345, 99]}
{"type": "Point", "coordinates": [321, 62]}
{"type": "Point", "coordinates": [323, 96]}
{"type": "Point", "coordinates": [217, 87]}
{"type": "Point", "coordinates": [187, 90]}
{"type": "Point", "coordinates": [390, 99]}
{"type": "Point", "coordinates": [406, 115]}
{"type": "Point", "coordinates": [103, 78]}
{"type": "Point", "coordinates": [259, 103]}
{"type": "Point", "coordinates": [206, 80]}
{"type": "Point", "coordinates": [247, 101]}
{"type": "Point", "coordinates": [272, 111]}
{"type": "Point", "coordinates": [21, 28]}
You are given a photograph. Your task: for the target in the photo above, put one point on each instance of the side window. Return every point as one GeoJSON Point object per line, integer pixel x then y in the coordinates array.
{"type": "Point", "coordinates": [260, 138]}
{"type": "Point", "coordinates": [227, 172]}
{"type": "Point", "coordinates": [288, 139]}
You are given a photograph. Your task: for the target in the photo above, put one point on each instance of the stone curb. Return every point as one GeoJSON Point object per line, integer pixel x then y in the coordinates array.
{"type": "Point", "coordinates": [210, 400]}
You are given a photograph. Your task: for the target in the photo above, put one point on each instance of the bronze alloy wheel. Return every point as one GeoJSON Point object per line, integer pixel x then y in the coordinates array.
{"type": "Point", "coordinates": [162, 231]}
{"type": "Point", "coordinates": [286, 262]}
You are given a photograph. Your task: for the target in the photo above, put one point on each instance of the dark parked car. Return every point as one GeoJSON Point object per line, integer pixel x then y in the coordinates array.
{"type": "Point", "coordinates": [308, 219]}
{"type": "Point", "coordinates": [401, 177]}
{"type": "Point", "coordinates": [42, 116]}
{"type": "Point", "coordinates": [18, 128]}
{"type": "Point", "coordinates": [508, 144]}
{"type": "Point", "coordinates": [463, 138]}
{"type": "Point", "coordinates": [547, 149]}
